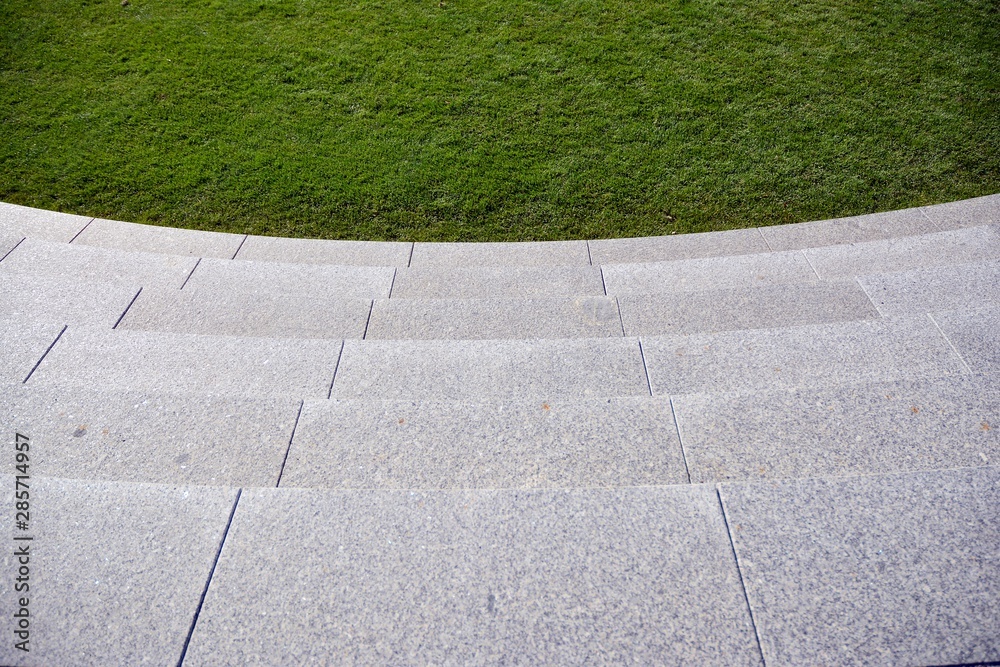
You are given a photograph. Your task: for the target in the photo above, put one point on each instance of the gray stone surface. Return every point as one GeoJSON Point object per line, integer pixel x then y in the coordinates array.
{"type": "Point", "coordinates": [441, 445]}
{"type": "Point", "coordinates": [469, 370]}
{"type": "Point", "coordinates": [8, 241]}
{"type": "Point", "coordinates": [534, 253]}
{"type": "Point", "coordinates": [497, 282]}
{"type": "Point", "coordinates": [890, 224]}
{"type": "Point", "coordinates": [220, 311]}
{"type": "Point", "coordinates": [674, 247]}
{"type": "Point", "coordinates": [737, 271]}
{"type": "Point", "coordinates": [966, 213]}
{"type": "Point", "coordinates": [878, 570]}
{"type": "Point", "coordinates": [44, 258]}
{"type": "Point", "coordinates": [596, 576]}
{"type": "Point", "coordinates": [153, 238]}
{"type": "Point", "coordinates": [871, 428]}
{"type": "Point", "coordinates": [22, 344]}
{"type": "Point", "coordinates": [117, 570]}
{"type": "Point", "coordinates": [745, 308]}
{"type": "Point", "coordinates": [799, 357]}
{"type": "Point", "coordinates": [971, 286]}
{"type": "Point", "coordinates": [320, 251]}
{"type": "Point", "coordinates": [303, 280]}
{"type": "Point", "coordinates": [100, 434]}
{"type": "Point", "coordinates": [40, 224]}
{"type": "Point", "coordinates": [62, 299]}
{"type": "Point", "coordinates": [961, 246]}
{"type": "Point", "coordinates": [172, 362]}
{"type": "Point", "coordinates": [566, 317]}
{"type": "Point", "coordinates": [976, 336]}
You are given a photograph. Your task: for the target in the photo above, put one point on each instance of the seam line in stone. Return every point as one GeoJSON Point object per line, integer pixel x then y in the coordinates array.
{"type": "Point", "coordinates": [604, 285]}
{"type": "Point", "coordinates": [739, 571]}
{"type": "Point", "coordinates": [13, 249]}
{"type": "Point", "coordinates": [677, 427]}
{"type": "Point", "coordinates": [122, 316]}
{"type": "Point", "coordinates": [392, 283]}
{"type": "Point", "coordinates": [409, 259]}
{"type": "Point", "coordinates": [208, 582]}
{"type": "Point", "coordinates": [621, 319]}
{"type": "Point", "coordinates": [193, 269]}
{"type": "Point", "coordinates": [245, 237]}
{"type": "Point", "coordinates": [45, 354]}
{"type": "Point", "coordinates": [371, 307]}
{"type": "Point", "coordinates": [810, 264]}
{"type": "Point", "coordinates": [878, 310]}
{"type": "Point", "coordinates": [923, 212]}
{"type": "Point", "coordinates": [82, 230]}
{"type": "Point", "coordinates": [766, 244]}
{"type": "Point", "coordinates": [291, 438]}
{"type": "Point", "coordinates": [590, 258]}
{"type": "Point", "coordinates": [642, 355]}
{"type": "Point", "coordinates": [951, 345]}
{"type": "Point", "coordinates": [336, 368]}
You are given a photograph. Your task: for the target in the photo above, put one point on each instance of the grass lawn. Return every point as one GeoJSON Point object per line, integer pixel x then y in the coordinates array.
{"type": "Point", "coordinates": [488, 120]}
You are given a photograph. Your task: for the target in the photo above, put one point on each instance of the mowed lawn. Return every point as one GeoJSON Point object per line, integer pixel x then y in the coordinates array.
{"type": "Point", "coordinates": [487, 120]}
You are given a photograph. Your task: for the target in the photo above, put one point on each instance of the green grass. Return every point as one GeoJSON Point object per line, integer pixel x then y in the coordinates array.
{"type": "Point", "coordinates": [513, 120]}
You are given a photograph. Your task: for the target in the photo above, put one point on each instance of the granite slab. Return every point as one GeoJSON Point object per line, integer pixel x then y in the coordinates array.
{"type": "Point", "coordinates": [8, 241]}
{"type": "Point", "coordinates": [533, 253]}
{"type": "Point", "coordinates": [497, 282]}
{"type": "Point", "coordinates": [133, 436]}
{"type": "Point", "coordinates": [874, 570]}
{"type": "Point", "coordinates": [602, 576]}
{"type": "Point", "coordinates": [116, 570]}
{"type": "Point", "coordinates": [321, 251]}
{"type": "Point", "coordinates": [966, 212]}
{"type": "Point", "coordinates": [487, 369]}
{"type": "Point", "coordinates": [799, 357]}
{"type": "Point", "coordinates": [566, 317]}
{"type": "Point", "coordinates": [610, 442]}
{"type": "Point", "coordinates": [40, 224]}
{"type": "Point", "coordinates": [968, 286]}
{"type": "Point", "coordinates": [23, 344]}
{"type": "Point", "coordinates": [975, 335]}
{"type": "Point", "coordinates": [62, 299]}
{"type": "Point", "coordinates": [865, 429]}
{"type": "Point", "coordinates": [303, 280]}
{"type": "Point", "coordinates": [679, 246]}
{"type": "Point", "coordinates": [159, 239]}
{"type": "Point", "coordinates": [178, 363]}
{"type": "Point", "coordinates": [771, 306]}
{"type": "Point", "coordinates": [855, 229]}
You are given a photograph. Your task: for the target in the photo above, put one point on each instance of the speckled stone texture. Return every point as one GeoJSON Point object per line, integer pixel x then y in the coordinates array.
{"type": "Point", "coordinates": [690, 275]}
{"type": "Point", "coordinates": [40, 224]}
{"type": "Point", "coordinates": [537, 253]}
{"type": "Point", "coordinates": [872, 428]}
{"type": "Point", "coordinates": [319, 251]}
{"type": "Point", "coordinates": [567, 317]}
{"type": "Point", "coordinates": [152, 238]}
{"type": "Point", "coordinates": [976, 336]}
{"type": "Point", "coordinates": [891, 224]}
{"type": "Point", "coordinates": [976, 244]}
{"type": "Point", "coordinates": [681, 246]}
{"type": "Point", "coordinates": [471, 369]}
{"type": "Point", "coordinates": [304, 280]}
{"type": "Point", "coordinates": [799, 357]}
{"type": "Point", "coordinates": [496, 282]}
{"type": "Point", "coordinates": [44, 258]}
{"type": "Point", "coordinates": [442, 445]}
{"type": "Point", "coordinates": [23, 344]}
{"type": "Point", "coordinates": [117, 570]}
{"type": "Point", "coordinates": [600, 576]}
{"type": "Point", "coordinates": [879, 570]}
{"type": "Point", "coordinates": [90, 433]}
{"type": "Point", "coordinates": [261, 313]}
{"type": "Point", "coordinates": [966, 213]}
{"type": "Point", "coordinates": [971, 286]}
{"type": "Point", "coordinates": [744, 308]}
{"type": "Point", "coordinates": [62, 299]}
{"type": "Point", "coordinates": [169, 362]}
{"type": "Point", "coordinates": [8, 241]}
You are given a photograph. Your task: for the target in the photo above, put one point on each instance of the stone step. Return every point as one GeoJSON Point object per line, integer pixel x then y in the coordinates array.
{"type": "Point", "coordinates": [179, 363]}
{"type": "Point", "coordinates": [966, 212]}
{"type": "Point", "coordinates": [495, 282]}
{"type": "Point", "coordinates": [23, 221]}
{"type": "Point", "coordinates": [303, 280]}
{"type": "Point", "coordinates": [319, 251]}
{"type": "Point", "coordinates": [975, 336]}
{"type": "Point", "coordinates": [538, 253]}
{"type": "Point", "coordinates": [64, 299]}
{"type": "Point", "coordinates": [24, 344]}
{"type": "Point", "coordinates": [881, 427]}
{"type": "Point", "coordinates": [965, 286]}
{"type": "Point", "coordinates": [154, 238]}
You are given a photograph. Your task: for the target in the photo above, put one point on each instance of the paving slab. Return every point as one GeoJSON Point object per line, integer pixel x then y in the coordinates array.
{"type": "Point", "coordinates": [133, 436]}
{"type": "Point", "coordinates": [497, 282]}
{"type": "Point", "coordinates": [799, 357]}
{"type": "Point", "coordinates": [876, 570]}
{"type": "Point", "coordinates": [566, 317]}
{"type": "Point", "coordinates": [177, 363]}
{"type": "Point", "coordinates": [602, 576]}
{"type": "Point", "coordinates": [975, 335]}
{"type": "Point", "coordinates": [159, 239]}
{"type": "Point", "coordinates": [871, 428]}
{"type": "Point", "coordinates": [40, 224]}
{"type": "Point", "coordinates": [855, 229]}
{"type": "Point", "coordinates": [970, 286]}
{"type": "Point", "coordinates": [8, 241]}
{"type": "Point", "coordinates": [961, 246]}
{"type": "Point", "coordinates": [533, 253]}
{"type": "Point", "coordinates": [451, 445]}
{"type": "Point", "coordinates": [22, 344]}
{"type": "Point", "coordinates": [679, 246]}
{"type": "Point", "coordinates": [487, 369]}
{"type": "Point", "coordinates": [966, 213]}
{"type": "Point", "coordinates": [116, 570]}
{"type": "Point", "coordinates": [321, 251]}
{"type": "Point", "coordinates": [215, 310]}
{"type": "Point", "coordinates": [691, 275]}
{"type": "Point", "coordinates": [44, 258]}
{"type": "Point", "coordinates": [766, 307]}
{"type": "Point", "coordinates": [303, 280]}
{"type": "Point", "coordinates": [64, 299]}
